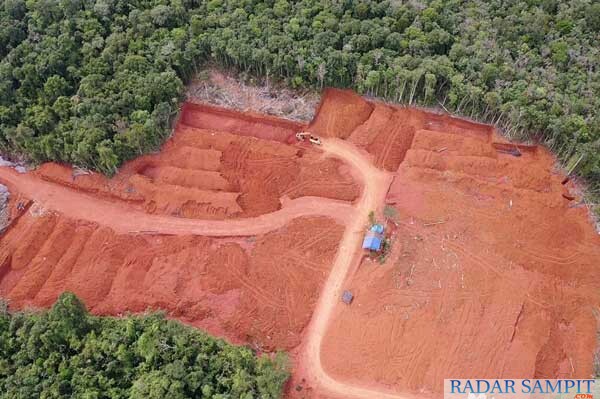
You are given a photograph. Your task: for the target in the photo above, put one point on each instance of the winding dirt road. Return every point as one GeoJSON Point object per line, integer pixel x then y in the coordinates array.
{"type": "Point", "coordinates": [124, 218]}
{"type": "Point", "coordinates": [376, 184]}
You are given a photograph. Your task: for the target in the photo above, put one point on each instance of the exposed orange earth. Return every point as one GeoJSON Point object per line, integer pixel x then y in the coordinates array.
{"type": "Point", "coordinates": [493, 270]}
{"type": "Point", "coordinates": [132, 242]}
{"type": "Point", "coordinates": [242, 169]}
{"type": "Point", "coordinates": [236, 228]}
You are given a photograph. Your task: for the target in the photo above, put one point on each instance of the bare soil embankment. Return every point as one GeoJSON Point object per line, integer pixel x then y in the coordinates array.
{"type": "Point", "coordinates": [233, 232]}
{"type": "Point", "coordinates": [494, 264]}
{"type": "Point", "coordinates": [492, 273]}
{"type": "Point", "coordinates": [219, 165]}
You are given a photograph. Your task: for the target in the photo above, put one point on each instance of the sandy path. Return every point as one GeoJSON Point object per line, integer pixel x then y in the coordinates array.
{"type": "Point", "coordinates": [376, 184]}
{"type": "Point", "coordinates": [123, 218]}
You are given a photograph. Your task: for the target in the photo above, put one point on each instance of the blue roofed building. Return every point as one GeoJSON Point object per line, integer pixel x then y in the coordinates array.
{"type": "Point", "coordinates": [377, 228]}
{"type": "Point", "coordinates": [372, 242]}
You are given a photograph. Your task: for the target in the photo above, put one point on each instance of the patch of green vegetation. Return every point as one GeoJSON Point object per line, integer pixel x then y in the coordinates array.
{"type": "Point", "coordinates": [372, 219]}
{"type": "Point", "coordinates": [67, 353]}
{"type": "Point", "coordinates": [386, 246]}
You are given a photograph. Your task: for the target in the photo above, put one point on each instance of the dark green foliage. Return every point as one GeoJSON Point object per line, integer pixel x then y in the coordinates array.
{"type": "Point", "coordinates": [386, 246]}
{"type": "Point", "coordinates": [372, 219]}
{"type": "Point", "coordinates": [91, 83]}
{"type": "Point", "coordinates": [530, 67]}
{"type": "Point", "coordinates": [84, 81]}
{"type": "Point", "coordinates": [65, 352]}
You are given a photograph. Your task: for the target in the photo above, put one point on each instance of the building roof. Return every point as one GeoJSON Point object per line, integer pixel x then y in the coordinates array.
{"type": "Point", "coordinates": [372, 242]}
{"type": "Point", "coordinates": [377, 228]}
{"type": "Point", "coordinates": [347, 297]}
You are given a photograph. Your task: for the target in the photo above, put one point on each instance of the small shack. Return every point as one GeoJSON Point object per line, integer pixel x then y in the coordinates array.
{"type": "Point", "coordinates": [377, 228]}
{"type": "Point", "coordinates": [372, 242]}
{"type": "Point", "coordinates": [347, 297]}
{"type": "Point", "coordinates": [374, 238]}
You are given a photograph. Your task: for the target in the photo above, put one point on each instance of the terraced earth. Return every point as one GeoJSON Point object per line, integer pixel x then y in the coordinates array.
{"type": "Point", "coordinates": [236, 228]}
{"type": "Point", "coordinates": [493, 268]}
{"type": "Point", "coordinates": [229, 232]}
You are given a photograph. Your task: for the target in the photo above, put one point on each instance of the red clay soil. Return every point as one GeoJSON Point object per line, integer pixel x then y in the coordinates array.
{"type": "Point", "coordinates": [385, 131]}
{"type": "Point", "coordinates": [214, 174]}
{"type": "Point", "coordinates": [339, 113]}
{"type": "Point", "coordinates": [250, 289]}
{"type": "Point", "coordinates": [257, 289]}
{"type": "Point", "coordinates": [493, 271]}
{"type": "Point", "coordinates": [264, 127]}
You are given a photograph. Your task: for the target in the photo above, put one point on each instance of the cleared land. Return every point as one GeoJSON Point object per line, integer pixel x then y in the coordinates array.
{"type": "Point", "coordinates": [494, 265]}
{"type": "Point", "coordinates": [237, 228]}
{"type": "Point", "coordinates": [226, 231]}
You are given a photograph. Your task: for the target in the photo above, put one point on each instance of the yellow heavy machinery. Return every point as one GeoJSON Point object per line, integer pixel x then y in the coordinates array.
{"type": "Point", "coordinates": [301, 136]}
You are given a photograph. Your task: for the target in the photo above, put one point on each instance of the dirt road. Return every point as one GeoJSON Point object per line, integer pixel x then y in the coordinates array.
{"type": "Point", "coordinates": [124, 218]}
{"type": "Point", "coordinates": [376, 184]}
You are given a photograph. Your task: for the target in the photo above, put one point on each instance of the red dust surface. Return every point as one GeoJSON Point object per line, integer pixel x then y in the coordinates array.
{"type": "Point", "coordinates": [206, 172]}
{"type": "Point", "coordinates": [265, 127]}
{"type": "Point", "coordinates": [254, 289]}
{"type": "Point", "coordinates": [385, 131]}
{"type": "Point", "coordinates": [493, 271]}
{"type": "Point", "coordinates": [340, 112]}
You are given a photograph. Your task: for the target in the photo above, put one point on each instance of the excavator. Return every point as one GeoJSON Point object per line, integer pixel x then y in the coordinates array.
{"type": "Point", "coordinates": [301, 136]}
{"type": "Point", "coordinates": [510, 149]}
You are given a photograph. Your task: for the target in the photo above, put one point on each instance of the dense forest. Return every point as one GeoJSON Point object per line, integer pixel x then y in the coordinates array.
{"type": "Point", "coordinates": [96, 82]}
{"type": "Point", "coordinates": [66, 353]}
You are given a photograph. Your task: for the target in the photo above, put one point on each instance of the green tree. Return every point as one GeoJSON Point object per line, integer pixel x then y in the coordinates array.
{"type": "Point", "coordinates": [65, 352]}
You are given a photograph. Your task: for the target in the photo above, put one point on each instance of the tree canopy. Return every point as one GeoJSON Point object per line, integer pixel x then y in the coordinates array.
{"type": "Point", "coordinates": [66, 353]}
{"type": "Point", "coordinates": [95, 82]}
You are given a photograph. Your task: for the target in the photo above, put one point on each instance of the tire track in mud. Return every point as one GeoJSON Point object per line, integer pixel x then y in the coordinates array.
{"type": "Point", "coordinates": [124, 218]}
{"type": "Point", "coordinates": [299, 261]}
{"type": "Point", "coordinates": [541, 255]}
{"type": "Point", "coordinates": [303, 246]}
{"type": "Point", "coordinates": [297, 188]}
{"type": "Point", "coordinates": [475, 259]}
{"type": "Point", "coordinates": [257, 291]}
